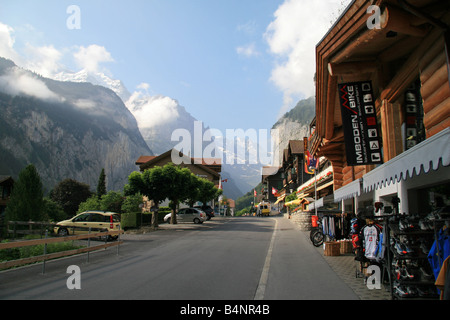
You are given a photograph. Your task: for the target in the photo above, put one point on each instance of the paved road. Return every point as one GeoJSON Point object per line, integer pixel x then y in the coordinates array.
{"type": "Point", "coordinates": [243, 258]}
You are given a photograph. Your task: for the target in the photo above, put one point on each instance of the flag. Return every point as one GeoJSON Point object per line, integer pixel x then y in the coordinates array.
{"type": "Point", "coordinates": [311, 163]}
{"type": "Point", "coordinates": [220, 183]}
{"type": "Point", "coordinates": [254, 192]}
{"type": "Point", "coordinates": [274, 191]}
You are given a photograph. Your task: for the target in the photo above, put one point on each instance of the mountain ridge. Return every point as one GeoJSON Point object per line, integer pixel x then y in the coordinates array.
{"type": "Point", "coordinates": [66, 129]}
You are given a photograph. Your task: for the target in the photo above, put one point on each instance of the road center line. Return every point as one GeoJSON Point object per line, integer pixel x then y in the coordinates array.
{"type": "Point", "coordinates": [259, 295]}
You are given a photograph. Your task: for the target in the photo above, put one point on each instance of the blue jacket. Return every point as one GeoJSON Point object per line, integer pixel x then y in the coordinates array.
{"type": "Point", "coordinates": [444, 249]}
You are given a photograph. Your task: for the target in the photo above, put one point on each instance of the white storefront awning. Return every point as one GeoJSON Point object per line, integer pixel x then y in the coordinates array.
{"type": "Point", "coordinates": [348, 191]}
{"type": "Point", "coordinates": [428, 154]}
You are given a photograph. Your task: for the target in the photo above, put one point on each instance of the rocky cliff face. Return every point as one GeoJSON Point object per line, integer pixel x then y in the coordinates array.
{"type": "Point", "coordinates": [290, 130]}
{"type": "Point", "coordinates": [66, 129]}
{"type": "Point", "coordinates": [294, 125]}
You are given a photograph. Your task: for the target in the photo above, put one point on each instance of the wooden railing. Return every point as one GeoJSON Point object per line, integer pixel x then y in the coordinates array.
{"type": "Point", "coordinates": [14, 231]}
{"type": "Point", "coordinates": [44, 257]}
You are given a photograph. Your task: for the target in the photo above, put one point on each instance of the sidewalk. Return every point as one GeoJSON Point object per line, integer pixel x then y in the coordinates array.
{"type": "Point", "coordinates": [345, 267]}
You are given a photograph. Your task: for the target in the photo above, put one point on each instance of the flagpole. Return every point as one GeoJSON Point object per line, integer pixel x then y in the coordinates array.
{"type": "Point", "coordinates": [220, 188]}
{"type": "Point", "coordinates": [315, 190]}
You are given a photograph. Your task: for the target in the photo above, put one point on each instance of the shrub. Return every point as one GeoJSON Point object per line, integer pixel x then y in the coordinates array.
{"type": "Point", "coordinates": [91, 203]}
{"type": "Point", "coordinates": [38, 250]}
{"type": "Point", "coordinates": [137, 219]}
{"type": "Point", "coordinates": [132, 203]}
{"type": "Point", "coordinates": [130, 220]}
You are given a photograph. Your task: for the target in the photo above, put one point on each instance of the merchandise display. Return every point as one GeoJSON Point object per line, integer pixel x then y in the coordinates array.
{"type": "Point", "coordinates": [418, 247]}
{"type": "Point", "coordinates": [411, 251]}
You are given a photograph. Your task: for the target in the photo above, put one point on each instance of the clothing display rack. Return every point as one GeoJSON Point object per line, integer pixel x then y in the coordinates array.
{"type": "Point", "coordinates": [366, 237]}
{"type": "Point", "coordinates": [335, 226]}
{"type": "Point", "coordinates": [405, 251]}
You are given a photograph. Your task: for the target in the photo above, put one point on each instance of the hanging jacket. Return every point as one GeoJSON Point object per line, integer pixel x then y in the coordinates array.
{"type": "Point", "coordinates": [435, 256]}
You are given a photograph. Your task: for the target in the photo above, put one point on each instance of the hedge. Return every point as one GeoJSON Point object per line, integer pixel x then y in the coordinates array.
{"type": "Point", "coordinates": [134, 219]}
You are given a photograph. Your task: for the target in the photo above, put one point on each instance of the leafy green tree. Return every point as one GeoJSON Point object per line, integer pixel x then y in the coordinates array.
{"type": "Point", "coordinates": [112, 201]}
{"type": "Point", "coordinates": [91, 203]}
{"type": "Point", "coordinates": [150, 183]}
{"type": "Point", "coordinates": [173, 183]}
{"type": "Point", "coordinates": [27, 198]}
{"type": "Point", "coordinates": [53, 211]}
{"type": "Point", "coordinates": [193, 192]}
{"type": "Point", "coordinates": [101, 185]}
{"type": "Point", "coordinates": [178, 179]}
{"type": "Point", "coordinates": [69, 193]}
{"type": "Point", "coordinates": [132, 203]}
{"type": "Point", "coordinates": [208, 191]}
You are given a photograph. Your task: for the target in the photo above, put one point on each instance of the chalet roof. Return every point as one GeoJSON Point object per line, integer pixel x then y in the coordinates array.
{"type": "Point", "coordinates": [144, 159]}
{"type": "Point", "coordinates": [268, 171]}
{"type": "Point", "coordinates": [213, 166]}
{"type": "Point", "coordinates": [296, 146]}
{"type": "Point", "coordinates": [5, 179]}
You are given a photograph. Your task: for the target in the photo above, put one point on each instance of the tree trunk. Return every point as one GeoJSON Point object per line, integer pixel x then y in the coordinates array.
{"type": "Point", "coordinates": [173, 216]}
{"type": "Point", "coordinates": [155, 215]}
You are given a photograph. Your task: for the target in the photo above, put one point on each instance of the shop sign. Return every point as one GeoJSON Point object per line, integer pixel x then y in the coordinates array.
{"type": "Point", "coordinates": [414, 129]}
{"type": "Point", "coordinates": [361, 132]}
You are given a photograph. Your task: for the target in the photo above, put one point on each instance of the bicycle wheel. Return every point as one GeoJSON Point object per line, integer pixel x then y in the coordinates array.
{"type": "Point", "coordinates": [317, 238]}
{"type": "Point", "coordinates": [312, 232]}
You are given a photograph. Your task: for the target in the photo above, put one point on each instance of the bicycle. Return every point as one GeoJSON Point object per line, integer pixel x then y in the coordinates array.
{"type": "Point", "coordinates": [316, 234]}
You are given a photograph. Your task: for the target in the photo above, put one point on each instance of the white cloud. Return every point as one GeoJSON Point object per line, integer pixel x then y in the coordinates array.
{"type": "Point", "coordinates": [85, 104]}
{"type": "Point", "coordinates": [44, 60]}
{"type": "Point", "coordinates": [292, 36]}
{"type": "Point", "coordinates": [151, 111]}
{"type": "Point", "coordinates": [91, 57]}
{"type": "Point", "coordinates": [247, 50]}
{"type": "Point", "coordinates": [20, 82]}
{"type": "Point", "coordinates": [7, 43]}
{"type": "Point", "coordinates": [248, 28]}
{"type": "Point", "coordinates": [144, 86]}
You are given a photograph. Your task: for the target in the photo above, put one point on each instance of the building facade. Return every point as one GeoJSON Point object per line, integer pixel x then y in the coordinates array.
{"type": "Point", "coordinates": [383, 104]}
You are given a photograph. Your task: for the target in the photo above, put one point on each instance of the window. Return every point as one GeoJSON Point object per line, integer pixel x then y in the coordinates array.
{"type": "Point", "coordinates": [413, 108]}
{"type": "Point", "coordinates": [83, 217]}
{"type": "Point", "coordinates": [95, 217]}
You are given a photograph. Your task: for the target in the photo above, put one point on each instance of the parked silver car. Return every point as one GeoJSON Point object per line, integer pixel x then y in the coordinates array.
{"type": "Point", "coordinates": [188, 215]}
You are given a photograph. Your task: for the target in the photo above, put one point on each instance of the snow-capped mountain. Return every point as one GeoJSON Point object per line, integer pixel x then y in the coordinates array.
{"type": "Point", "coordinates": [96, 78]}
{"type": "Point", "coordinates": [66, 129]}
{"type": "Point", "coordinates": [159, 116]}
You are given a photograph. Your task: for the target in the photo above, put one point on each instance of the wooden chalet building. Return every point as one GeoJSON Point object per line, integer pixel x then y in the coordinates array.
{"type": "Point", "coordinates": [209, 169]}
{"type": "Point", "coordinates": [272, 180]}
{"type": "Point", "coordinates": [383, 102]}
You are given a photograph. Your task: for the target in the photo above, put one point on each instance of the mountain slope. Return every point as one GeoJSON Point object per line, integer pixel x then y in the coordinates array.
{"type": "Point", "coordinates": [294, 125]}
{"type": "Point", "coordinates": [66, 129]}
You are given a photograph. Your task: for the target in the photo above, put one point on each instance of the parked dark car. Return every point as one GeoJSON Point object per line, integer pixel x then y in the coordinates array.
{"type": "Point", "coordinates": [208, 210]}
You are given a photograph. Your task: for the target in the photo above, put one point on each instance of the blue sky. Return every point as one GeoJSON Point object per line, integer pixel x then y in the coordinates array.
{"type": "Point", "coordinates": [232, 64]}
